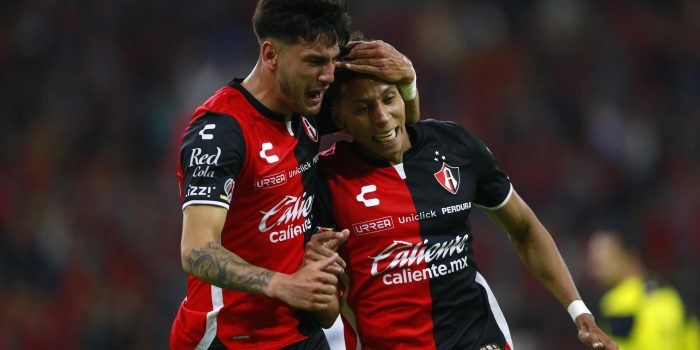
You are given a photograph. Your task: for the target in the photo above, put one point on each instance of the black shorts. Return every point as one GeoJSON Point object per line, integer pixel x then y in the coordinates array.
{"type": "Point", "coordinates": [316, 341]}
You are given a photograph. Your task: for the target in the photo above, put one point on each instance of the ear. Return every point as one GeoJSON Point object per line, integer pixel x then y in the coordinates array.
{"type": "Point", "coordinates": [269, 55]}
{"type": "Point", "coordinates": [337, 118]}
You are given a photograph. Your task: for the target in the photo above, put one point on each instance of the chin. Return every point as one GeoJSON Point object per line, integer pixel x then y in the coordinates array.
{"type": "Point", "coordinates": [389, 154]}
{"type": "Point", "coordinates": [310, 111]}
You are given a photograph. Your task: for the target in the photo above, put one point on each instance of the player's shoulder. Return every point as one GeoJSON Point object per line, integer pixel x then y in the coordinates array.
{"type": "Point", "coordinates": [227, 100]}
{"type": "Point", "coordinates": [336, 152]}
{"type": "Point", "coordinates": [213, 133]}
{"type": "Point", "coordinates": [213, 122]}
{"type": "Point", "coordinates": [443, 130]}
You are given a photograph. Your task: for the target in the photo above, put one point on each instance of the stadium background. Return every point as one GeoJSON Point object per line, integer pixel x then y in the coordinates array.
{"type": "Point", "coordinates": [590, 106]}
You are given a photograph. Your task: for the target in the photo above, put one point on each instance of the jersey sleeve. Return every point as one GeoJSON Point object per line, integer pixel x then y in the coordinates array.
{"type": "Point", "coordinates": [212, 154]}
{"type": "Point", "coordinates": [493, 189]}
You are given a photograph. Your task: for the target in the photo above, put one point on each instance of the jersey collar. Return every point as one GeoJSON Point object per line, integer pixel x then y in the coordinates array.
{"type": "Point", "coordinates": [266, 112]}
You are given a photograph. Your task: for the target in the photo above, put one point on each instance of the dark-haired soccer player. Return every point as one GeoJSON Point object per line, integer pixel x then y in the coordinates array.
{"type": "Point", "coordinates": [247, 172]}
{"type": "Point", "coordinates": [405, 193]}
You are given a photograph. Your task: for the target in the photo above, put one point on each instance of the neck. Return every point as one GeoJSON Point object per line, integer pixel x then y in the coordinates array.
{"type": "Point", "coordinates": [262, 85]}
{"type": "Point", "coordinates": [406, 145]}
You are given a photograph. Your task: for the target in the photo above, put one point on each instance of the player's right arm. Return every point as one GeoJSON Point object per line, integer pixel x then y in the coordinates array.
{"type": "Point", "coordinates": [204, 257]}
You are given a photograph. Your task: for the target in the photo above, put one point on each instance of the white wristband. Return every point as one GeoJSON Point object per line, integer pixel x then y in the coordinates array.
{"type": "Point", "coordinates": [577, 308]}
{"type": "Point", "coordinates": [408, 91]}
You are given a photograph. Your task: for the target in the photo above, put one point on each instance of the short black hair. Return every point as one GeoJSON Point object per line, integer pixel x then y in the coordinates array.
{"type": "Point", "coordinates": [307, 20]}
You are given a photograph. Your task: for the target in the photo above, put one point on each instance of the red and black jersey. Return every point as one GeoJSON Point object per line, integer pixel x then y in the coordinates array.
{"type": "Point", "coordinates": [412, 282]}
{"type": "Point", "coordinates": [238, 154]}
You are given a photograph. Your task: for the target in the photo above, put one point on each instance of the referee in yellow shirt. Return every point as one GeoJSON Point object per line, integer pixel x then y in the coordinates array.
{"type": "Point", "coordinates": [636, 311]}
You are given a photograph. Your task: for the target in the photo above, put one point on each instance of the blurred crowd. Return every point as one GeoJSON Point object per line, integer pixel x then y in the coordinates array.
{"type": "Point", "coordinates": [590, 106]}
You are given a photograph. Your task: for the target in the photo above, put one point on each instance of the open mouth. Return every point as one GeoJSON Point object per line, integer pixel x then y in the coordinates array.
{"type": "Point", "coordinates": [315, 96]}
{"type": "Point", "coordinates": [387, 137]}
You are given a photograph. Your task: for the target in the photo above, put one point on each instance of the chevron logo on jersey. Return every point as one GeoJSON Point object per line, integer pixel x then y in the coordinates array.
{"type": "Point", "coordinates": [448, 177]}
{"type": "Point", "coordinates": [310, 130]}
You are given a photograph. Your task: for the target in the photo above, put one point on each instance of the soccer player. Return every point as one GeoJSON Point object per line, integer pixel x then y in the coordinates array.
{"type": "Point", "coordinates": [637, 311]}
{"type": "Point", "coordinates": [405, 193]}
{"type": "Point", "coordinates": [247, 173]}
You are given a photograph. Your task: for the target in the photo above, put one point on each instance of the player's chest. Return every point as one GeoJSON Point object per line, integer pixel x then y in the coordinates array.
{"type": "Point", "coordinates": [433, 196]}
{"type": "Point", "coordinates": [278, 157]}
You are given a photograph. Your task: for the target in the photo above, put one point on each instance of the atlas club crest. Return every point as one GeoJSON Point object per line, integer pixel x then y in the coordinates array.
{"type": "Point", "coordinates": [310, 130]}
{"type": "Point", "coordinates": [448, 177]}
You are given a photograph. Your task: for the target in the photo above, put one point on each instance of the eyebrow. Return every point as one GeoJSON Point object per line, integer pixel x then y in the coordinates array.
{"type": "Point", "coordinates": [313, 56]}
{"type": "Point", "coordinates": [318, 58]}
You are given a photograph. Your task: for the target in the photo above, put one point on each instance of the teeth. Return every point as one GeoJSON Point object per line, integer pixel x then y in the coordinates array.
{"type": "Point", "coordinates": [387, 136]}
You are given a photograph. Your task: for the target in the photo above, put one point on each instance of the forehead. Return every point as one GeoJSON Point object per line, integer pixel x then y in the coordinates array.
{"type": "Point", "coordinates": [364, 88]}
{"type": "Point", "coordinates": [318, 47]}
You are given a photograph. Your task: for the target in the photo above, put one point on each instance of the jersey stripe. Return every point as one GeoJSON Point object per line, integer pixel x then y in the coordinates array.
{"type": "Point", "coordinates": [499, 206]}
{"type": "Point", "coordinates": [217, 302]}
{"type": "Point", "coordinates": [219, 204]}
{"type": "Point", "coordinates": [495, 309]}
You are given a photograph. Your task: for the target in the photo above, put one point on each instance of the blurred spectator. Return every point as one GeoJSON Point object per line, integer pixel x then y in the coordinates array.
{"type": "Point", "coordinates": [638, 311]}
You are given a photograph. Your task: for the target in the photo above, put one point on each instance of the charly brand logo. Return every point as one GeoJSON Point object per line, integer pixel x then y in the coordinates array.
{"type": "Point", "coordinates": [271, 181]}
{"type": "Point", "coordinates": [310, 130]}
{"type": "Point", "coordinates": [368, 202]}
{"type": "Point", "coordinates": [374, 225]}
{"type": "Point", "coordinates": [401, 254]}
{"type": "Point", "coordinates": [267, 146]}
{"type": "Point", "coordinates": [203, 161]}
{"type": "Point", "coordinates": [203, 133]}
{"type": "Point", "coordinates": [292, 214]}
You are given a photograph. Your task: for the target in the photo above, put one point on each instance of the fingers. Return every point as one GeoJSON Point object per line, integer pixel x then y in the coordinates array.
{"type": "Point", "coordinates": [340, 238]}
{"type": "Point", "coordinates": [366, 53]}
{"type": "Point", "coordinates": [328, 261]}
{"type": "Point", "coordinates": [372, 70]}
{"type": "Point", "coordinates": [372, 49]}
{"type": "Point", "coordinates": [324, 236]}
{"type": "Point", "coordinates": [354, 43]}
{"type": "Point", "coordinates": [375, 62]}
{"type": "Point", "coordinates": [593, 341]}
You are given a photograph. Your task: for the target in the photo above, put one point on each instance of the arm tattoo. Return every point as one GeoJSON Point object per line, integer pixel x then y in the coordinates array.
{"type": "Point", "coordinates": [216, 265]}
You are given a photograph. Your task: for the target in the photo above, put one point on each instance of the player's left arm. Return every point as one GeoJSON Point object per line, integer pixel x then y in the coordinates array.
{"type": "Point", "coordinates": [383, 61]}
{"type": "Point", "coordinates": [538, 251]}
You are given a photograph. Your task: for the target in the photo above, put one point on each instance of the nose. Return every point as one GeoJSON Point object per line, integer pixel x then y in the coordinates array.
{"type": "Point", "coordinates": [380, 115]}
{"type": "Point", "coordinates": [326, 76]}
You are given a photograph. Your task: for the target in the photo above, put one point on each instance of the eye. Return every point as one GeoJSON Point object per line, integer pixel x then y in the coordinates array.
{"type": "Point", "coordinates": [388, 99]}
{"type": "Point", "coordinates": [362, 109]}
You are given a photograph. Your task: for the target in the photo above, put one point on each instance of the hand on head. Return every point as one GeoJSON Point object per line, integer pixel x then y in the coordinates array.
{"type": "Point", "coordinates": [379, 59]}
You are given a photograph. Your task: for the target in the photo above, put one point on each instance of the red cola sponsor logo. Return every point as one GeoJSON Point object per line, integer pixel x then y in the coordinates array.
{"type": "Point", "coordinates": [401, 254]}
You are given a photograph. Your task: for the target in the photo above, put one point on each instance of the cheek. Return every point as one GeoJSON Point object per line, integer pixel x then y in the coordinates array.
{"type": "Point", "coordinates": [357, 129]}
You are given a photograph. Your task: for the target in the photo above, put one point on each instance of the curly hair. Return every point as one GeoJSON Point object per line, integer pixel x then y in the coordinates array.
{"type": "Point", "coordinates": [302, 20]}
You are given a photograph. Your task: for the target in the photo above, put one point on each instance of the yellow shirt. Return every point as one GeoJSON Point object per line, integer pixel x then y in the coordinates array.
{"type": "Point", "coordinates": [642, 318]}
